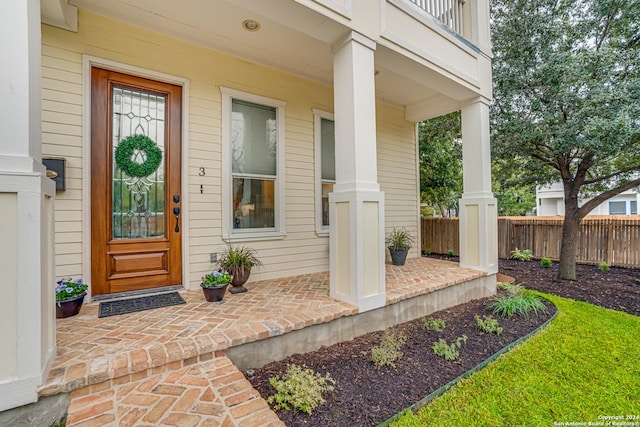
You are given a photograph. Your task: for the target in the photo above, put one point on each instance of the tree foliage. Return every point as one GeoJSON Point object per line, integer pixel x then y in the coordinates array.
{"type": "Point", "coordinates": [567, 99]}
{"type": "Point", "coordinates": [440, 142]}
{"type": "Point", "coordinates": [441, 171]}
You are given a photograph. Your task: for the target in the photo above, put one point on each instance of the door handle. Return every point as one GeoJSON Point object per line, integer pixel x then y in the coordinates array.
{"type": "Point", "coordinates": [176, 212]}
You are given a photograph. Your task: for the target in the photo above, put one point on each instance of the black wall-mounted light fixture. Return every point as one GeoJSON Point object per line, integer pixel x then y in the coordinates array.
{"type": "Point", "coordinates": [55, 171]}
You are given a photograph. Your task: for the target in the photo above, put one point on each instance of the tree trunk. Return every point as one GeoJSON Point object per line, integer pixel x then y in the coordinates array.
{"type": "Point", "coordinates": [570, 228]}
{"type": "Point", "coordinates": [569, 248]}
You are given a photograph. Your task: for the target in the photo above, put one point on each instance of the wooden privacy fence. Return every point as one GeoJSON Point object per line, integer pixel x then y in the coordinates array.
{"type": "Point", "coordinates": [612, 239]}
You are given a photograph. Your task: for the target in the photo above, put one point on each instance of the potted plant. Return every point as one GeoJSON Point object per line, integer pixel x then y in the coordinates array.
{"type": "Point", "coordinates": [238, 260]}
{"type": "Point", "coordinates": [399, 242]}
{"type": "Point", "coordinates": [214, 285]}
{"type": "Point", "coordinates": [69, 297]}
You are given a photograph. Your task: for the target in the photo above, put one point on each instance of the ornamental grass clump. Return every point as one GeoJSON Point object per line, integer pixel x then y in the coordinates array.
{"type": "Point", "coordinates": [546, 263]}
{"type": "Point", "coordinates": [299, 388]}
{"type": "Point", "coordinates": [237, 258]}
{"type": "Point", "coordinates": [521, 304]}
{"type": "Point", "coordinates": [399, 238]}
{"type": "Point", "coordinates": [68, 288]}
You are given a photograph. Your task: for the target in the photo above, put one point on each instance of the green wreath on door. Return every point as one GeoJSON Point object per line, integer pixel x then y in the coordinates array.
{"type": "Point", "coordinates": [124, 155]}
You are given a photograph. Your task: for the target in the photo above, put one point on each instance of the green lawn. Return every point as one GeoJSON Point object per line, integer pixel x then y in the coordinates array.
{"type": "Point", "coordinates": [585, 364]}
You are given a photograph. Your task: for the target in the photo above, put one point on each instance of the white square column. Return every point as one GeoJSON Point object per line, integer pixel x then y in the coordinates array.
{"type": "Point", "coordinates": [356, 206]}
{"type": "Point", "coordinates": [478, 207]}
{"type": "Point", "coordinates": [27, 330]}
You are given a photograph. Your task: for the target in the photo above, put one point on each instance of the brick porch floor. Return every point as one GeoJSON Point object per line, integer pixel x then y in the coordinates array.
{"type": "Point", "coordinates": [167, 366]}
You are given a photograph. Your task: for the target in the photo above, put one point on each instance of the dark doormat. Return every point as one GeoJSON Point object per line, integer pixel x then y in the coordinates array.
{"type": "Point", "coordinates": [124, 306]}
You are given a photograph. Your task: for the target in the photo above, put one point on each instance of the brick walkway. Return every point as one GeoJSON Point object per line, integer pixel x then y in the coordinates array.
{"type": "Point", "coordinates": [109, 364]}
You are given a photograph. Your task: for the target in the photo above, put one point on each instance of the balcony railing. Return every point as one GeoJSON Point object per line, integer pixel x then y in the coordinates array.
{"type": "Point", "coordinates": [449, 12]}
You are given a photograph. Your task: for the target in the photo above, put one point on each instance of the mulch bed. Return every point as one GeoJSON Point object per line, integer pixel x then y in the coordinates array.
{"type": "Point", "coordinates": [618, 288]}
{"type": "Point", "coordinates": [365, 396]}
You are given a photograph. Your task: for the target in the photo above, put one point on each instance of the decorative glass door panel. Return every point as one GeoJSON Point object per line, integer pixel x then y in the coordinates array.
{"type": "Point", "coordinates": [135, 183]}
{"type": "Point", "coordinates": [138, 201]}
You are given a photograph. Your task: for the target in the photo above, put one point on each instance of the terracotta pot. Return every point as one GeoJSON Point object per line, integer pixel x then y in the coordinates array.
{"type": "Point", "coordinates": [240, 277]}
{"type": "Point", "coordinates": [398, 256]}
{"type": "Point", "coordinates": [69, 307]}
{"type": "Point", "coordinates": [214, 294]}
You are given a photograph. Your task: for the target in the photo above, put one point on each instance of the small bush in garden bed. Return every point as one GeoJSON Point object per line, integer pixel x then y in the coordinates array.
{"type": "Point", "coordinates": [426, 252]}
{"type": "Point", "coordinates": [520, 255]}
{"type": "Point", "coordinates": [389, 350]}
{"type": "Point", "coordinates": [603, 266]}
{"type": "Point", "coordinates": [433, 324]}
{"type": "Point", "coordinates": [546, 263]}
{"type": "Point", "coordinates": [448, 351]}
{"type": "Point", "coordinates": [488, 324]}
{"type": "Point", "coordinates": [521, 304]}
{"type": "Point", "coordinates": [451, 252]}
{"type": "Point", "coordinates": [300, 388]}
{"type": "Point", "coordinates": [511, 288]}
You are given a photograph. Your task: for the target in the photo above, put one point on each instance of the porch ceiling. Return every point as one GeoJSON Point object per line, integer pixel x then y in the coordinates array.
{"type": "Point", "coordinates": [292, 37]}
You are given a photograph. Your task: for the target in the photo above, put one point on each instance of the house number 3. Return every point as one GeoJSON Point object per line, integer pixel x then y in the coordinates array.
{"type": "Point", "coordinates": [202, 172]}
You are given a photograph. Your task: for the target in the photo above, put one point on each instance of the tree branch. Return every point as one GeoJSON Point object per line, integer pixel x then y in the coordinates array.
{"type": "Point", "coordinates": [605, 30]}
{"type": "Point", "coordinates": [611, 175]}
{"type": "Point", "coordinates": [591, 204]}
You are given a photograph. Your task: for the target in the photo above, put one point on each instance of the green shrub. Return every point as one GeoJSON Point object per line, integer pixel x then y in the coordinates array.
{"type": "Point", "coordinates": [545, 263]}
{"type": "Point", "coordinates": [511, 288]}
{"type": "Point", "coordinates": [433, 323]}
{"type": "Point", "coordinates": [448, 351]}
{"type": "Point", "coordinates": [388, 351]}
{"type": "Point", "coordinates": [488, 324]}
{"type": "Point", "coordinates": [603, 266]}
{"type": "Point", "coordinates": [521, 255]}
{"type": "Point", "coordinates": [451, 252]}
{"type": "Point", "coordinates": [426, 252]}
{"type": "Point", "coordinates": [300, 388]}
{"type": "Point", "coordinates": [521, 304]}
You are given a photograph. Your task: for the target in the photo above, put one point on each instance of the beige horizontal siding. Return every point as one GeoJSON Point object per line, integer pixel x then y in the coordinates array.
{"type": "Point", "coordinates": [301, 251]}
{"type": "Point", "coordinates": [397, 172]}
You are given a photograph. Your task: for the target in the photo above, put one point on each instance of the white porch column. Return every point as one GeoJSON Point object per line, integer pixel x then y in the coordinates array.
{"type": "Point", "coordinates": [356, 206]}
{"type": "Point", "coordinates": [27, 330]}
{"type": "Point", "coordinates": [478, 207]}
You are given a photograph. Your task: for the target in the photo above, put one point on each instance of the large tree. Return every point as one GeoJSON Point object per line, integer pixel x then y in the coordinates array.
{"type": "Point", "coordinates": [440, 142]}
{"type": "Point", "coordinates": [441, 171]}
{"type": "Point", "coordinates": [567, 99]}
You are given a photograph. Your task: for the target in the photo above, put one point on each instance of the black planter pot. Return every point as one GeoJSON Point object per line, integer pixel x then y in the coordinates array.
{"type": "Point", "coordinates": [214, 294]}
{"type": "Point", "coordinates": [398, 256]}
{"type": "Point", "coordinates": [69, 307]}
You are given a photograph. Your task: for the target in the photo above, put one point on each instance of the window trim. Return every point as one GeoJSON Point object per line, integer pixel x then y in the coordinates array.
{"type": "Point", "coordinates": [633, 211]}
{"type": "Point", "coordinates": [229, 234]}
{"type": "Point", "coordinates": [318, 115]}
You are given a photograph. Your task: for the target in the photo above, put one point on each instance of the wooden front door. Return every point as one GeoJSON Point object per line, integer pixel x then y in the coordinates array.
{"type": "Point", "coordinates": [135, 217]}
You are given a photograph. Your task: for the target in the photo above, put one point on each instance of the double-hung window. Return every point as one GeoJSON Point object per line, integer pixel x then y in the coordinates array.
{"type": "Point", "coordinates": [253, 166]}
{"type": "Point", "coordinates": [325, 167]}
